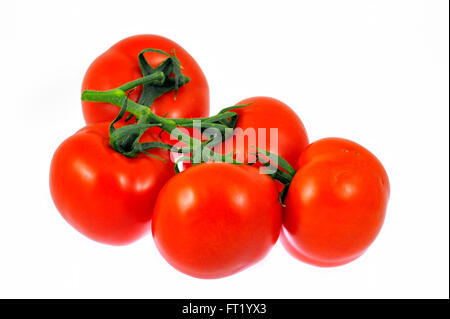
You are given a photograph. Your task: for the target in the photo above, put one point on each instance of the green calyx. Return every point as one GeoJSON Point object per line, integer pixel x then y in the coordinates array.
{"type": "Point", "coordinates": [278, 168]}
{"type": "Point", "coordinates": [170, 67]}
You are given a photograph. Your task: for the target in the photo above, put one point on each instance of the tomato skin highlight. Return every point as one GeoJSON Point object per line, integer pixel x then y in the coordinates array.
{"type": "Point", "coordinates": [104, 195]}
{"type": "Point", "coordinates": [119, 65]}
{"type": "Point", "coordinates": [336, 204]}
{"type": "Point", "coordinates": [216, 219]}
{"type": "Point", "coordinates": [265, 113]}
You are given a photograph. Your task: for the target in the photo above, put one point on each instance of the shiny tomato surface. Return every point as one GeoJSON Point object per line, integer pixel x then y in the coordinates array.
{"type": "Point", "coordinates": [336, 203]}
{"type": "Point", "coordinates": [216, 219]}
{"type": "Point", "coordinates": [263, 114]}
{"type": "Point", "coordinates": [103, 194]}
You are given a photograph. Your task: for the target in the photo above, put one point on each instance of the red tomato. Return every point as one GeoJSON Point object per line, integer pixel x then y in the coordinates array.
{"type": "Point", "coordinates": [104, 195]}
{"type": "Point", "coordinates": [216, 219]}
{"type": "Point", "coordinates": [336, 203]}
{"type": "Point", "coordinates": [266, 113]}
{"type": "Point", "coordinates": [119, 65]}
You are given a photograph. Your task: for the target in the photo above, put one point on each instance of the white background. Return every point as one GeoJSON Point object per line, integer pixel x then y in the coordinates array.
{"type": "Point", "coordinates": [375, 72]}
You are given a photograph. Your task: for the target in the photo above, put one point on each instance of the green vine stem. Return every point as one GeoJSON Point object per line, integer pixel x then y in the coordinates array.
{"type": "Point", "coordinates": [144, 114]}
{"type": "Point", "coordinates": [283, 172]}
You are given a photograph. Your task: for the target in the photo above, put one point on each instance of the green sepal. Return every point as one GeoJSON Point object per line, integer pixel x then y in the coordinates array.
{"type": "Point", "coordinates": [170, 66]}
{"type": "Point", "coordinates": [278, 159]}
{"type": "Point", "coordinates": [234, 107]}
{"type": "Point", "coordinates": [125, 139]}
{"type": "Point", "coordinates": [129, 117]}
{"type": "Point", "coordinates": [283, 193]}
{"type": "Point", "coordinates": [273, 171]}
{"type": "Point", "coordinates": [231, 120]}
{"type": "Point", "coordinates": [154, 156]}
{"type": "Point", "coordinates": [283, 175]}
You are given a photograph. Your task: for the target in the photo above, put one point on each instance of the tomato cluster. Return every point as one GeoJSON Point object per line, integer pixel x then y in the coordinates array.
{"type": "Point", "coordinates": [114, 180]}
